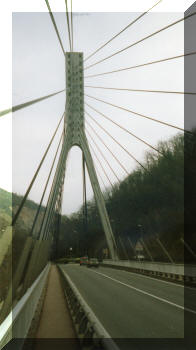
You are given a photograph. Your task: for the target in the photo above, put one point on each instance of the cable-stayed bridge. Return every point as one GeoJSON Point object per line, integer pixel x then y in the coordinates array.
{"type": "Point", "coordinates": [125, 298]}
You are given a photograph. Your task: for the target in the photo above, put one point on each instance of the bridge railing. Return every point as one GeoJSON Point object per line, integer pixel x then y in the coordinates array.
{"type": "Point", "coordinates": [88, 328]}
{"type": "Point", "coordinates": [23, 272]}
{"type": "Point", "coordinates": [178, 272]}
{"type": "Point", "coordinates": [17, 323]}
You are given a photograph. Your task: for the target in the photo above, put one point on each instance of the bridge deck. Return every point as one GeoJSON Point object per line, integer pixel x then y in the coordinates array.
{"type": "Point", "coordinates": [135, 306]}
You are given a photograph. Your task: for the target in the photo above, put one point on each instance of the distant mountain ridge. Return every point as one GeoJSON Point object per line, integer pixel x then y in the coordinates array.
{"type": "Point", "coordinates": [5, 202]}
{"type": "Point", "coordinates": [9, 203]}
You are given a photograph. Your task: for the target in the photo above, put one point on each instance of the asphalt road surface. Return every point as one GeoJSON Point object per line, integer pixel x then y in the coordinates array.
{"type": "Point", "coordinates": [135, 306]}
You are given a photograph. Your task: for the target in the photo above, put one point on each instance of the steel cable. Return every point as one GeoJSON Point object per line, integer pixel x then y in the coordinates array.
{"type": "Point", "coordinates": [26, 104]}
{"type": "Point", "coordinates": [140, 65]}
{"type": "Point", "coordinates": [54, 24]}
{"type": "Point", "coordinates": [115, 36]}
{"type": "Point", "coordinates": [113, 155]}
{"type": "Point", "coordinates": [116, 141]}
{"type": "Point", "coordinates": [140, 90]}
{"type": "Point", "coordinates": [141, 115]}
{"type": "Point", "coordinates": [71, 26]}
{"type": "Point", "coordinates": [141, 40]}
{"type": "Point", "coordinates": [100, 164]}
{"type": "Point", "coordinates": [68, 25]}
{"type": "Point", "coordinates": [121, 127]}
{"type": "Point", "coordinates": [45, 188]}
{"type": "Point", "coordinates": [35, 175]}
{"type": "Point", "coordinates": [99, 174]}
{"type": "Point", "coordinates": [100, 151]}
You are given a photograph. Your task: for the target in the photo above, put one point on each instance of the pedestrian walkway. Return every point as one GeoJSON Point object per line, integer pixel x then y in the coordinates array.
{"type": "Point", "coordinates": [55, 326]}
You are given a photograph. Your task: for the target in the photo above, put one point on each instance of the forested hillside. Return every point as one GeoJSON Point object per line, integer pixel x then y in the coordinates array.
{"type": "Point", "coordinates": [5, 209]}
{"type": "Point", "coordinates": [9, 202]}
{"type": "Point", "coordinates": [148, 204]}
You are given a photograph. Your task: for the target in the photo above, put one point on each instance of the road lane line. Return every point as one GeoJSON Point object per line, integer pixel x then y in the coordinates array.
{"type": "Point", "coordinates": [146, 293]}
{"type": "Point", "coordinates": [155, 279]}
{"type": "Point", "coordinates": [152, 278]}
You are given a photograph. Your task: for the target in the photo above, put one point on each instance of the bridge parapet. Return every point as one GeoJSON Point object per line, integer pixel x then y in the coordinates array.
{"type": "Point", "coordinates": [178, 272]}
{"type": "Point", "coordinates": [91, 333]}
{"type": "Point", "coordinates": [17, 323]}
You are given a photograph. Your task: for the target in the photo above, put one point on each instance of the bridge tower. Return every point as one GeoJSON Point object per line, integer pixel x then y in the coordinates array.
{"type": "Point", "coordinates": [75, 136]}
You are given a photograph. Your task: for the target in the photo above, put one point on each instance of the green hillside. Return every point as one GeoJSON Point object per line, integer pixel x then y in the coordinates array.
{"type": "Point", "coordinates": [5, 209]}
{"type": "Point", "coordinates": [5, 201]}
{"type": "Point", "coordinates": [9, 203]}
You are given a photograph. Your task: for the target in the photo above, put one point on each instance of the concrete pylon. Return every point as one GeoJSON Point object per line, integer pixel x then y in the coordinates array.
{"type": "Point", "coordinates": [75, 136]}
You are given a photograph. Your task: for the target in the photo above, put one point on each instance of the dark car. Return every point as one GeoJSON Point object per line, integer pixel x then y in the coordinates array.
{"type": "Point", "coordinates": [93, 262]}
{"type": "Point", "coordinates": [83, 260]}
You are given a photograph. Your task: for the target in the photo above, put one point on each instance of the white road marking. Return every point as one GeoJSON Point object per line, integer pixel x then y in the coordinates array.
{"type": "Point", "coordinates": [146, 293]}
{"type": "Point", "coordinates": [156, 279]}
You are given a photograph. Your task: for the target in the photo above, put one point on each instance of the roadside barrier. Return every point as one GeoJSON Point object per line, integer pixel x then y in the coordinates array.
{"type": "Point", "coordinates": [18, 322]}
{"type": "Point", "coordinates": [89, 330]}
{"type": "Point", "coordinates": [177, 272]}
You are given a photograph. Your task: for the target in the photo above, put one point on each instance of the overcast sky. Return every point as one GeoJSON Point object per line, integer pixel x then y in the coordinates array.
{"type": "Point", "coordinates": [38, 69]}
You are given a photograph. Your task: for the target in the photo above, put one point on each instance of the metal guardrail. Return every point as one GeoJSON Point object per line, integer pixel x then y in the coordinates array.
{"type": "Point", "coordinates": [17, 323]}
{"type": "Point", "coordinates": [178, 272]}
{"type": "Point", "coordinates": [89, 330]}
